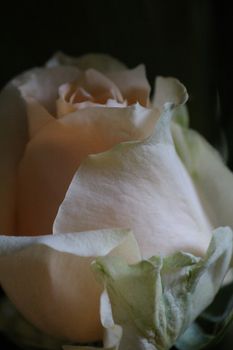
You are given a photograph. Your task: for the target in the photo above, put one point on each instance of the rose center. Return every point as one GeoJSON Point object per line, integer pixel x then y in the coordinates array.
{"type": "Point", "coordinates": [91, 89]}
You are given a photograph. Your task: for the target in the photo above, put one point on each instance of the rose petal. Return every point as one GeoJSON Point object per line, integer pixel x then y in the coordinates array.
{"type": "Point", "coordinates": [133, 85]}
{"type": "Point", "coordinates": [13, 137]}
{"type": "Point", "coordinates": [91, 86]}
{"type": "Point", "coordinates": [101, 62]}
{"type": "Point", "coordinates": [64, 108]}
{"type": "Point", "coordinates": [141, 185]}
{"type": "Point", "coordinates": [99, 86]}
{"type": "Point", "coordinates": [50, 281]}
{"type": "Point", "coordinates": [213, 180]}
{"type": "Point", "coordinates": [169, 90]}
{"type": "Point", "coordinates": [56, 150]}
{"type": "Point", "coordinates": [37, 116]}
{"type": "Point", "coordinates": [42, 84]}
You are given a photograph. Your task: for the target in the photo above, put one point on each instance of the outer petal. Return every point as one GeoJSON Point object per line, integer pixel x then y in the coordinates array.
{"type": "Point", "coordinates": [143, 186]}
{"type": "Point", "coordinates": [13, 137]}
{"type": "Point", "coordinates": [101, 62]}
{"type": "Point", "coordinates": [213, 180]}
{"type": "Point", "coordinates": [56, 150]}
{"type": "Point", "coordinates": [49, 278]}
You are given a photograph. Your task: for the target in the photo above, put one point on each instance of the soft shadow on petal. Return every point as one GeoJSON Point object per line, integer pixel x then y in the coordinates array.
{"type": "Point", "coordinates": [101, 62]}
{"type": "Point", "coordinates": [13, 138]}
{"type": "Point", "coordinates": [56, 150]}
{"type": "Point", "coordinates": [37, 116]}
{"type": "Point", "coordinates": [141, 185]}
{"type": "Point", "coordinates": [50, 281]}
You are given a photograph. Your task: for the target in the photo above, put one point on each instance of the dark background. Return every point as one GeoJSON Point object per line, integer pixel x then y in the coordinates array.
{"type": "Point", "coordinates": [191, 40]}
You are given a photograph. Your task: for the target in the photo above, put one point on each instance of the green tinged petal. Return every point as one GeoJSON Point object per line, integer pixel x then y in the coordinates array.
{"type": "Point", "coordinates": [213, 180]}
{"type": "Point", "coordinates": [49, 279]}
{"type": "Point", "coordinates": [181, 116]}
{"type": "Point", "coordinates": [156, 300]}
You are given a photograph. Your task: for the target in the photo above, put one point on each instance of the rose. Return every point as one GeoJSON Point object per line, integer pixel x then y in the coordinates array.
{"type": "Point", "coordinates": [74, 111]}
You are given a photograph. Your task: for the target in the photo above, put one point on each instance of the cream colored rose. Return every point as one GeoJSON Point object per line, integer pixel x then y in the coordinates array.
{"type": "Point", "coordinates": [87, 157]}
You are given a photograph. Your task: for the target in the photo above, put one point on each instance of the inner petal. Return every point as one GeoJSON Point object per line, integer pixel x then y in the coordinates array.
{"type": "Point", "coordinates": [91, 89]}
{"type": "Point", "coordinates": [80, 95]}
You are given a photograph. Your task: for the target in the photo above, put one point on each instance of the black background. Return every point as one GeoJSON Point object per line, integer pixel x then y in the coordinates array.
{"type": "Point", "coordinates": [191, 40]}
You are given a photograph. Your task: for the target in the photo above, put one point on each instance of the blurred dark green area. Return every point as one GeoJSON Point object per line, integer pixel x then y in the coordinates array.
{"type": "Point", "coordinates": [189, 39]}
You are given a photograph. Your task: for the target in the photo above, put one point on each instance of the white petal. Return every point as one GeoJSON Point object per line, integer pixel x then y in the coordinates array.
{"type": "Point", "coordinates": [50, 281]}
{"type": "Point", "coordinates": [54, 153]}
{"type": "Point", "coordinates": [142, 186]}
